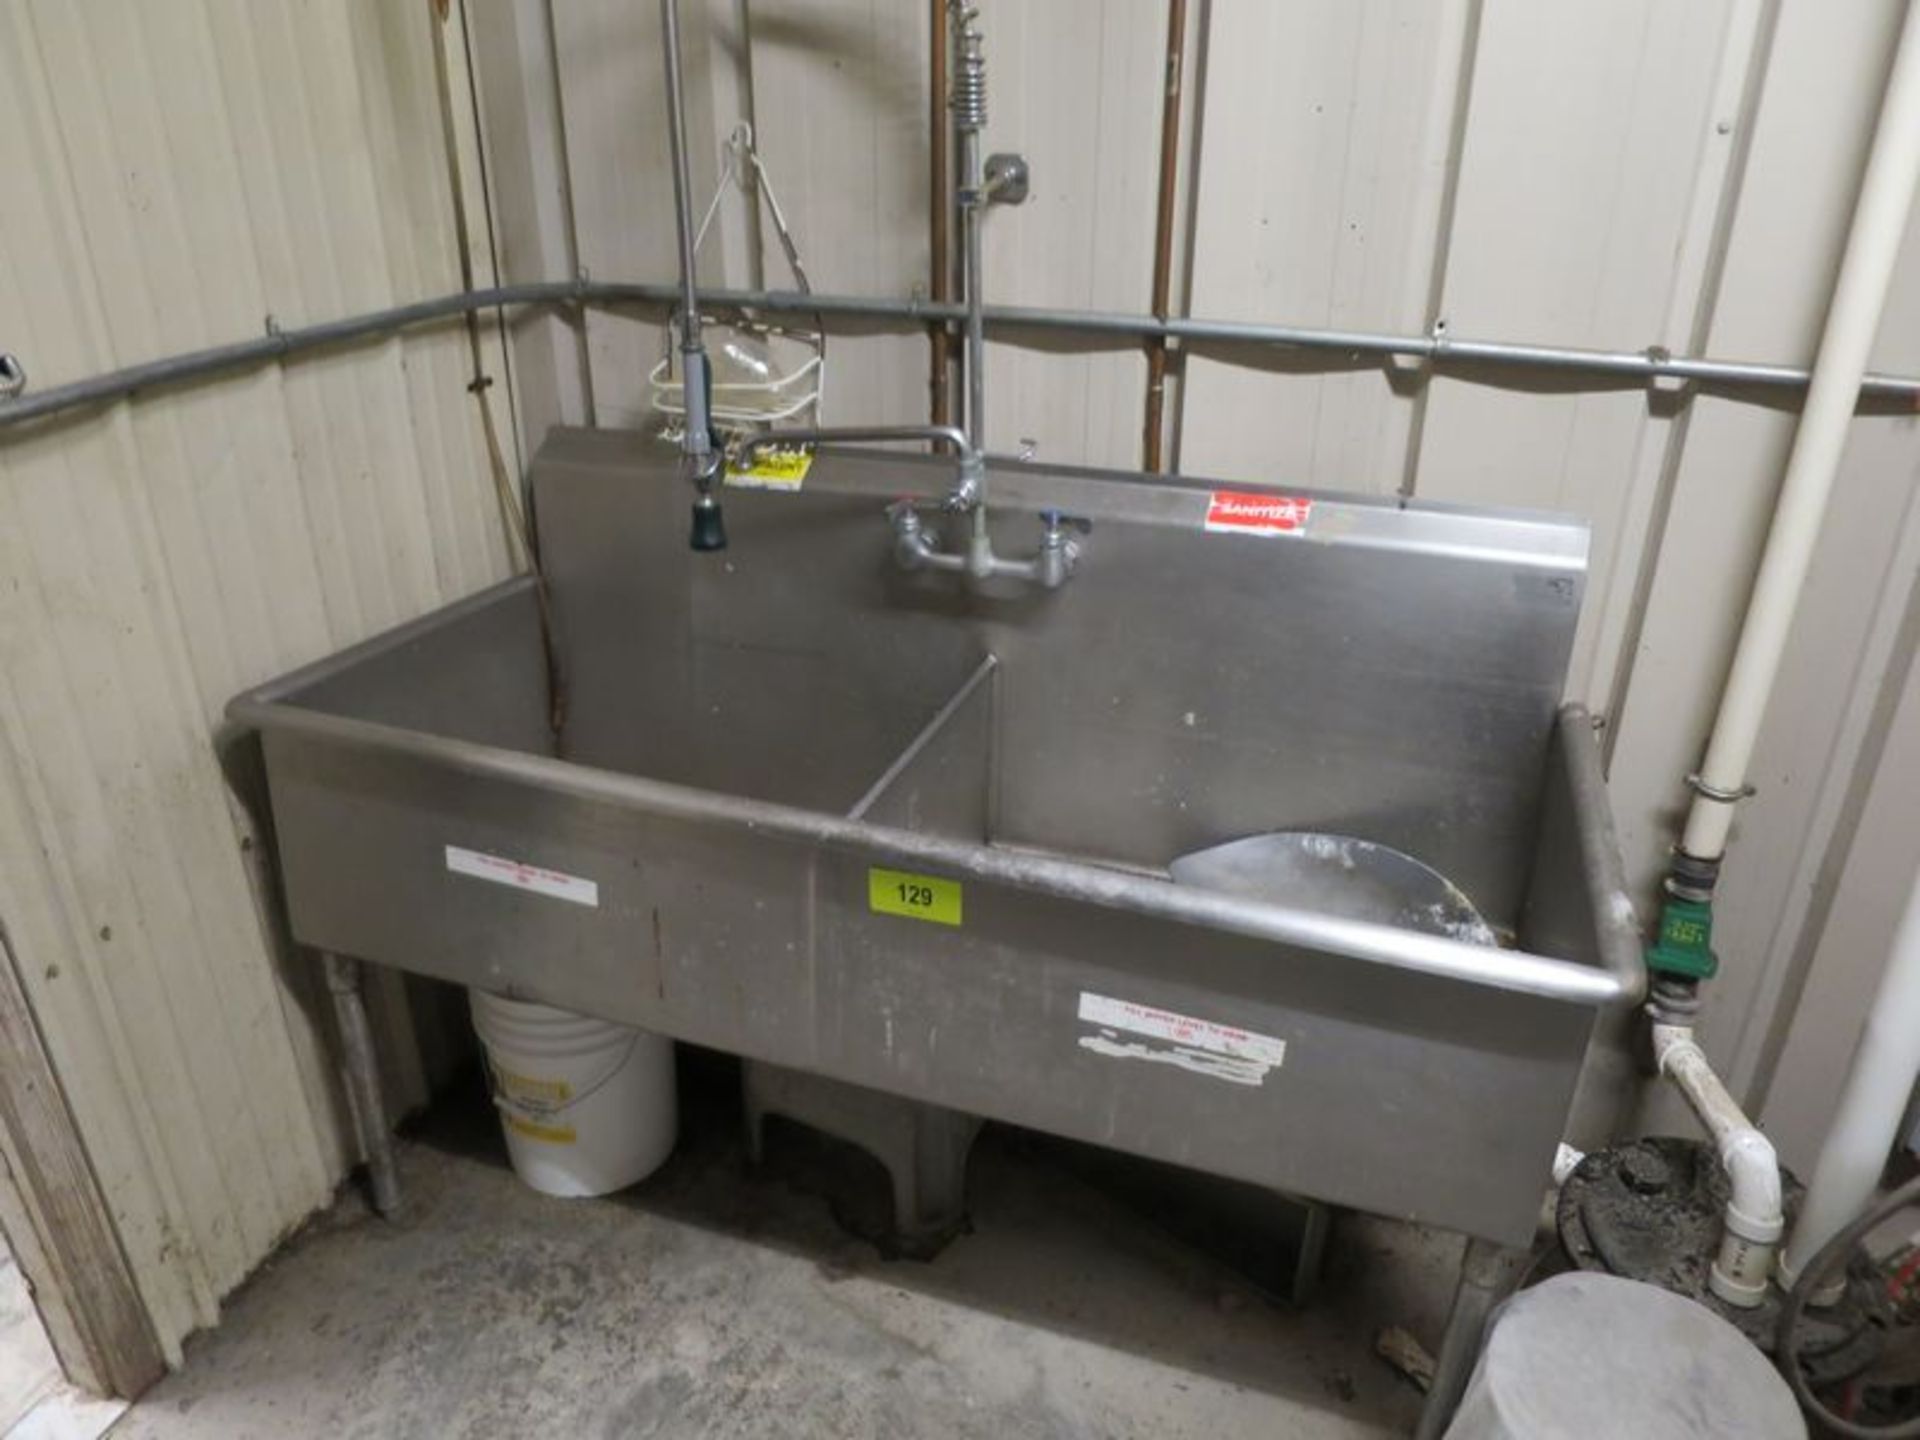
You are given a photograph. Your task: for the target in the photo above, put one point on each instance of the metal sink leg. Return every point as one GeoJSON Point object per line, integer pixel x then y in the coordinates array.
{"type": "Point", "coordinates": [923, 1147]}
{"type": "Point", "coordinates": [1488, 1274]}
{"type": "Point", "coordinates": [363, 1080]}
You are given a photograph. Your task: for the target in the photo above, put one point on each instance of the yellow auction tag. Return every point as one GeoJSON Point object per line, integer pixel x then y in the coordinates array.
{"type": "Point", "coordinates": [918, 897]}
{"type": "Point", "coordinates": [780, 469]}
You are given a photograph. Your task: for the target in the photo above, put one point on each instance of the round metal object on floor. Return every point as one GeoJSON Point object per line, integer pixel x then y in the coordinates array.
{"type": "Point", "coordinates": [1651, 1210]}
{"type": "Point", "coordinates": [1594, 1357]}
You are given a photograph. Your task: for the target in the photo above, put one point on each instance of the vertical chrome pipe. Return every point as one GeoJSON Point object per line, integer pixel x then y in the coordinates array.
{"type": "Point", "coordinates": [969, 119]}
{"type": "Point", "coordinates": [682, 183]}
{"type": "Point", "coordinates": [939, 217]}
{"type": "Point", "coordinates": [1153, 428]}
{"type": "Point", "coordinates": [975, 420]}
{"type": "Point", "coordinates": [698, 459]}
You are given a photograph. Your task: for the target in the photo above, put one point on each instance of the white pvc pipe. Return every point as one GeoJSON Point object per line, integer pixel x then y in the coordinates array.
{"type": "Point", "coordinates": [1879, 1082]}
{"type": "Point", "coordinates": [1873, 244]}
{"type": "Point", "coordinates": [1566, 1160]}
{"type": "Point", "coordinates": [1753, 1218]}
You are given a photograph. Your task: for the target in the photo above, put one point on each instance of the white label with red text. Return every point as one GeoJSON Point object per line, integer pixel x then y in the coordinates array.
{"type": "Point", "coordinates": [1242, 512]}
{"type": "Point", "coordinates": [1205, 1047]}
{"type": "Point", "coordinates": [522, 876]}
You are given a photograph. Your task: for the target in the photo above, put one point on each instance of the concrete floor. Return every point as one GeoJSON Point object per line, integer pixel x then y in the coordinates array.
{"type": "Point", "coordinates": [716, 1301]}
{"type": "Point", "coordinates": [36, 1402]}
{"type": "Point", "coordinates": [28, 1369]}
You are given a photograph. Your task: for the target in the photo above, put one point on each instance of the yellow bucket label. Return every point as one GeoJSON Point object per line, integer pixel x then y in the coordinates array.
{"type": "Point", "coordinates": [530, 1090]}
{"type": "Point", "coordinates": [918, 897]}
{"type": "Point", "coordinates": [534, 1130]}
{"type": "Point", "coordinates": [783, 468]}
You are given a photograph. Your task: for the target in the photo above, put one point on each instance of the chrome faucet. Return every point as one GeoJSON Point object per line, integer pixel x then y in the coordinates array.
{"type": "Point", "coordinates": [1000, 180]}
{"type": "Point", "coordinates": [915, 547]}
{"type": "Point", "coordinates": [1050, 567]}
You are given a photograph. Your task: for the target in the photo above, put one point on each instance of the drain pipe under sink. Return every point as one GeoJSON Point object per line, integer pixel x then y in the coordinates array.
{"type": "Point", "coordinates": [1753, 1217]}
{"type": "Point", "coordinates": [1681, 956]}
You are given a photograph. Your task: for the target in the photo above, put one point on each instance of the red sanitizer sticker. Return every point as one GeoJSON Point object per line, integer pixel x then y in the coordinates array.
{"type": "Point", "coordinates": [1242, 512]}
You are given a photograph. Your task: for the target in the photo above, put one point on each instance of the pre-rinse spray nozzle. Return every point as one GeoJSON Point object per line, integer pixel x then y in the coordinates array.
{"type": "Point", "coordinates": [702, 456]}
{"type": "Point", "coordinates": [709, 525]}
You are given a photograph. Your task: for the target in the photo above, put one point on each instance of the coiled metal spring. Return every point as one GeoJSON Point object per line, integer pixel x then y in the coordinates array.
{"type": "Point", "coordinates": [970, 73]}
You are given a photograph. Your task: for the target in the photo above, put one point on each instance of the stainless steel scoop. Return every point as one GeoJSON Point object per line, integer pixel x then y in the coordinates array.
{"type": "Point", "coordinates": [1337, 875]}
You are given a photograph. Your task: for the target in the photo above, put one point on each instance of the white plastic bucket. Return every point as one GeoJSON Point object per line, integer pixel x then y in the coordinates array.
{"type": "Point", "coordinates": [588, 1106]}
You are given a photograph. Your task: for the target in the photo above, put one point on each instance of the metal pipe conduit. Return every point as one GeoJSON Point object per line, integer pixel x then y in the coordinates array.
{"type": "Point", "coordinates": [1647, 366]}
{"type": "Point", "coordinates": [939, 223]}
{"type": "Point", "coordinates": [1152, 434]}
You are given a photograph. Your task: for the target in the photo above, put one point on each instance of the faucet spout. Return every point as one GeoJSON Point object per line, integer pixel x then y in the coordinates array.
{"type": "Point", "coordinates": [969, 490]}
{"type": "Point", "coordinates": [914, 548]}
{"type": "Point", "coordinates": [1004, 180]}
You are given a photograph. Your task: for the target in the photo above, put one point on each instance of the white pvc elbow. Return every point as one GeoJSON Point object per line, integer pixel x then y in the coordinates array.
{"type": "Point", "coordinates": [1566, 1160]}
{"type": "Point", "coordinates": [1753, 1216]}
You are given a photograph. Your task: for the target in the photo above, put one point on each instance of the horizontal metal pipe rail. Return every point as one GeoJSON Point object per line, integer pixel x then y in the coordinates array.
{"type": "Point", "coordinates": [1645, 366]}
{"type": "Point", "coordinates": [276, 344]}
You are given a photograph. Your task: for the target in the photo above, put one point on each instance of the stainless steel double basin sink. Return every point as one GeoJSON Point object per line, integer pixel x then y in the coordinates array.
{"type": "Point", "coordinates": [812, 810]}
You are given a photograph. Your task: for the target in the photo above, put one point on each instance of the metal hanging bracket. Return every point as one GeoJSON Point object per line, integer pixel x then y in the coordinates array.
{"type": "Point", "coordinates": [1701, 787]}
{"type": "Point", "coordinates": [774, 386]}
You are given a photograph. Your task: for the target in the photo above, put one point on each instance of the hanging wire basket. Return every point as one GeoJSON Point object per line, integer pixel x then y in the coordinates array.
{"type": "Point", "coordinates": [762, 372]}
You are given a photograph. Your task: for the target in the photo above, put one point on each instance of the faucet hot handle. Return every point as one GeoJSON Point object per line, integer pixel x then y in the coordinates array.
{"type": "Point", "coordinates": [1058, 523]}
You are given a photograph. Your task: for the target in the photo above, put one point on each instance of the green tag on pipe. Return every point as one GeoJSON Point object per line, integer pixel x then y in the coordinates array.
{"type": "Point", "coordinates": [1684, 946]}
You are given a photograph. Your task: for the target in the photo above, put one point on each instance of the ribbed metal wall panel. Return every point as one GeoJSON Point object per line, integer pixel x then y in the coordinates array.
{"type": "Point", "coordinates": [838, 99]}
{"type": "Point", "coordinates": [175, 176]}
{"type": "Point", "coordinates": [1327, 135]}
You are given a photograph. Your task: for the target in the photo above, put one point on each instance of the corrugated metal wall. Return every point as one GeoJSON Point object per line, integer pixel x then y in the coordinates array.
{"type": "Point", "coordinates": [1638, 173]}
{"type": "Point", "coordinates": [174, 176]}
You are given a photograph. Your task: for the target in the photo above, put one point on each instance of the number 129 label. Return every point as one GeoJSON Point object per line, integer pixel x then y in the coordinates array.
{"type": "Point", "coordinates": [918, 897]}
